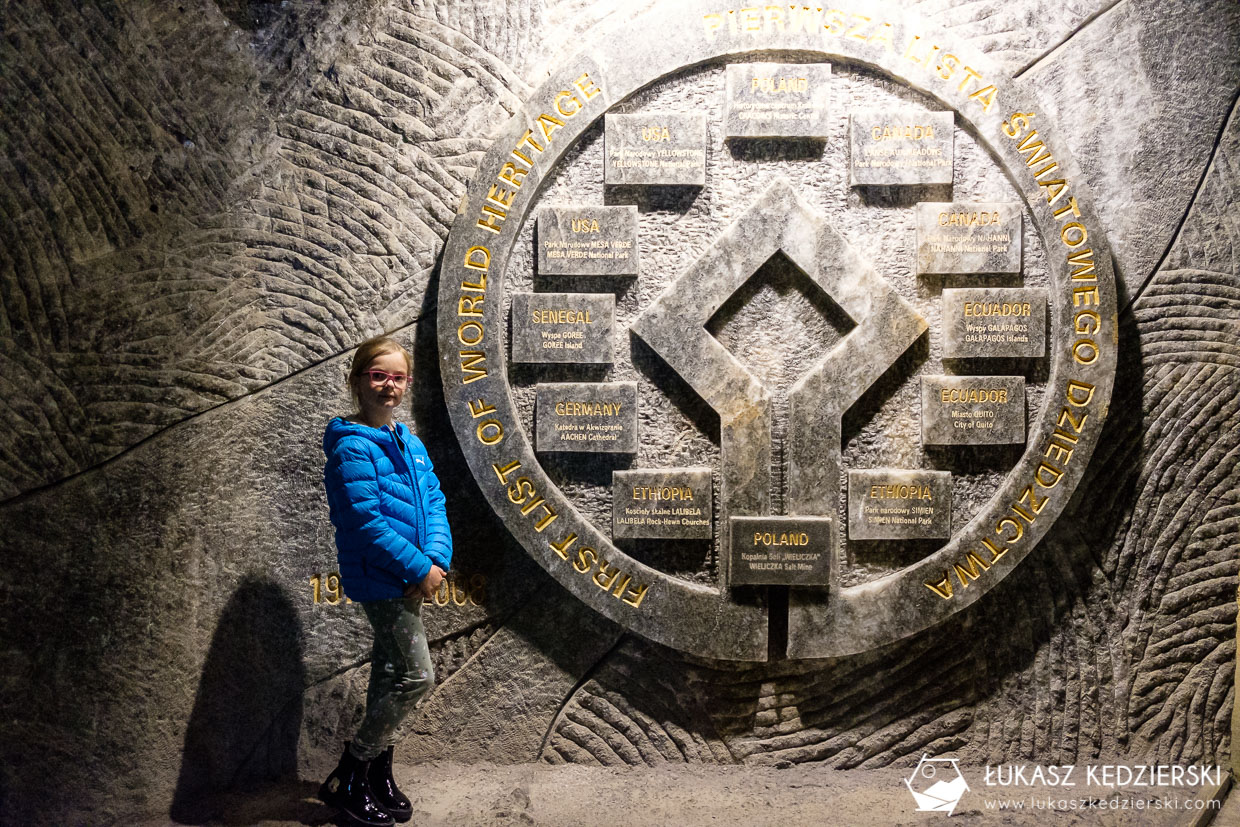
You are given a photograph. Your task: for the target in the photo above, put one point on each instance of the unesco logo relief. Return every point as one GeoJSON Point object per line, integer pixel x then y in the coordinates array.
{"type": "Point", "coordinates": [993, 334]}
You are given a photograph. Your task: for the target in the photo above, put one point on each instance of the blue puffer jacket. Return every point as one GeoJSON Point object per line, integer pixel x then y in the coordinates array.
{"type": "Point", "coordinates": [387, 508]}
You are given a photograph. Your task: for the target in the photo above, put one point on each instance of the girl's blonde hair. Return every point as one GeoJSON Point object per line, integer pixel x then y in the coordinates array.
{"type": "Point", "coordinates": [367, 352]}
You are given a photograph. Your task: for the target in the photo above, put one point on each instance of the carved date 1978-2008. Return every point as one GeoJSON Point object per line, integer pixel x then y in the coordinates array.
{"type": "Point", "coordinates": [326, 588]}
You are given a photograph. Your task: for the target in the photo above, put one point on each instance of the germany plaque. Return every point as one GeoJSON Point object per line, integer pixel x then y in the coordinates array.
{"type": "Point", "coordinates": [656, 148]}
{"type": "Point", "coordinates": [587, 241]}
{"type": "Point", "coordinates": [573, 328]}
{"type": "Point", "coordinates": [899, 148]}
{"type": "Point", "coordinates": [994, 322]}
{"type": "Point", "coordinates": [972, 410]}
{"type": "Point", "coordinates": [776, 100]}
{"type": "Point", "coordinates": [899, 504]}
{"type": "Point", "coordinates": [662, 503]}
{"type": "Point", "coordinates": [590, 417]}
{"type": "Point", "coordinates": [965, 237]}
{"type": "Point", "coordinates": [780, 551]}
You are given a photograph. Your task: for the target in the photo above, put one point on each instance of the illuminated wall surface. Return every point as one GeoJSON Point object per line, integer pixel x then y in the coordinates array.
{"type": "Point", "coordinates": [808, 385]}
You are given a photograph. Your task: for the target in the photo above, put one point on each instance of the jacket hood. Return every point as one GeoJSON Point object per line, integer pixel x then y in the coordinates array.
{"type": "Point", "coordinates": [338, 428]}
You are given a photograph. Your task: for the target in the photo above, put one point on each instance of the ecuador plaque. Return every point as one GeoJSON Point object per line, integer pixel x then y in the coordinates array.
{"type": "Point", "coordinates": [972, 410]}
{"type": "Point", "coordinates": [994, 322]}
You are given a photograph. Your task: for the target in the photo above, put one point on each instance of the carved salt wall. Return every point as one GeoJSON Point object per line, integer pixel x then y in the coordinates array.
{"type": "Point", "coordinates": [206, 205]}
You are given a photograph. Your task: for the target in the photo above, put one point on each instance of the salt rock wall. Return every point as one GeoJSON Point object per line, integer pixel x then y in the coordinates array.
{"type": "Point", "coordinates": [204, 206]}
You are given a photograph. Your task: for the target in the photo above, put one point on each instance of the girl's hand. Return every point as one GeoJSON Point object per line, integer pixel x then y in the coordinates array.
{"type": "Point", "coordinates": [430, 584]}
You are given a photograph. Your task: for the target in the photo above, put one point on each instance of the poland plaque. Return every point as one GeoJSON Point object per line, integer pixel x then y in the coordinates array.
{"type": "Point", "coordinates": [972, 410]}
{"type": "Point", "coordinates": [655, 148]}
{"type": "Point", "coordinates": [662, 503]}
{"type": "Point", "coordinates": [590, 417]}
{"type": "Point", "coordinates": [776, 100]}
{"type": "Point", "coordinates": [994, 322]}
{"type": "Point", "coordinates": [899, 504]}
{"type": "Point", "coordinates": [780, 551]}
{"type": "Point", "coordinates": [967, 237]}
{"type": "Point", "coordinates": [892, 148]}
{"type": "Point", "coordinates": [587, 241]}
{"type": "Point", "coordinates": [563, 328]}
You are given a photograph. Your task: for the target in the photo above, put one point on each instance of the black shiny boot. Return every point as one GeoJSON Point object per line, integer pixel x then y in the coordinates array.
{"type": "Point", "coordinates": [347, 789]}
{"type": "Point", "coordinates": [383, 787]}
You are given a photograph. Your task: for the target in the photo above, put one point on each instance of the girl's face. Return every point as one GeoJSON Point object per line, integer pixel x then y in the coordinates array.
{"type": "Point", "coordinates": [379, 396]}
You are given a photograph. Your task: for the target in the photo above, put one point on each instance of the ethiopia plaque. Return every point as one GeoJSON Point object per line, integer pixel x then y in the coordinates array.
{"type": "Point", "coordinates": [965, 237]}
{"type": "Point", "coordinates": [656, 148]}
{"type": "Point", "coordinates": [587, 241]}
{"type": "Point", "coordinates": [972, 410]}
{"type": "Point", "coordinates": [780, 551]}
{"type": "Point", "coordinates": [893, 148]}
{"type": "Point", "coordinates": [994, 322]}
{"type": "Point", "coordinates": [591, 417]}
{"type": "Point", "coordinates": [662, 503]}
{"type": "Point", "coordinates": [899, 504]}
{"type": "Point", "coordinates": [776, 100]}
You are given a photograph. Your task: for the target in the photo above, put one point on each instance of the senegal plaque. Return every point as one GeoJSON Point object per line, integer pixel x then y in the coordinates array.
{"type": "Point", "coordinates": [899, 504]}
{"type": "Point", "coordinates": [573, 328]}
{"type": "Point", "coordinates": [776, 100]}
{"type": "Point", "coordinates": [972, 410]}
{"type": "Point", "coordinates": [662, 503]}
{"type": "Point", "coordinates": [587, 241]}
{"type": "Point", "coordinates": [659, 148]}
{"type": "Point", "coordinates": [590, 417]}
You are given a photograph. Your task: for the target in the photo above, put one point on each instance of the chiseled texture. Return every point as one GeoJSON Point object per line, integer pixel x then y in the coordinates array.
{"type": "Point", "coordinates": [204, 206]}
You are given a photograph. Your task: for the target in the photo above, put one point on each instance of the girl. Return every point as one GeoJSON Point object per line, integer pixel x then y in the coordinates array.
{"type": "Point", "coordinates": [394, 548]}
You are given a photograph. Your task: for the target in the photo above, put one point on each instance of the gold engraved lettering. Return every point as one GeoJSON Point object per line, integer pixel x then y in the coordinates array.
{"type": "Point", "coordinates": [586, 558]}
{"type": "Point", "coordinates": [469, 333]}
{"type": "Point", "coordinates": [505, 471]}
{"type": "Point", "coordinates": [973, 568]}
{"type": "Point", "coordinates": [943, 588]}
{"type": "Point", "coordinates": [473, 366]}
{"type": "Point", "coordinates": [469, 306]}
{"type": "Point", "coordinates": [857, 32]}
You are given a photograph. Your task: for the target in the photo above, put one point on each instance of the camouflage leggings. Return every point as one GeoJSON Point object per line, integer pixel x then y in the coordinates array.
{"type": "Point", "coordinates": [400, 673]}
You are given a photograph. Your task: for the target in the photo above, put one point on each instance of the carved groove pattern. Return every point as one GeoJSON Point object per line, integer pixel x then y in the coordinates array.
{"type": "Point", "coordinates": [152, 269]}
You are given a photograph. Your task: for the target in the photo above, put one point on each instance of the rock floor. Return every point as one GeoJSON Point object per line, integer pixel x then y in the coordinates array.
{"type": "Point", "coordinates": [460, 795]}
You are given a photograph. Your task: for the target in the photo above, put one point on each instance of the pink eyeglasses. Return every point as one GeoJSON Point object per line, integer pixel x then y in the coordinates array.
{"type": "Point", "coordinates": [382, 377]}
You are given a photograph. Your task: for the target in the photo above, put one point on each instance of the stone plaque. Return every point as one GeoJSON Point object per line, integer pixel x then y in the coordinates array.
{"type": "Point", "coordinates": [776, 100]}
{"type": "Point", "coordinates": [966, 237]}
{"type": "Point", "coordinates": [592, 417]}
{"type": "Point", "coordinates": [972, 410]}
{"type": "Point", "coordinates": [899, 504]}
{"type": "Point", "coordinates": [891, 148]}
{"type": "Point", "coordinates": [993, 322]}
{"type": "Point", "coordinates": [587, 241]}
{"type": "Point", "coordinates": [655, 148]}
{"type": "Point", "coordinates": [574, 328]}
{"type": "Point", "coordinates": [663, 503]}
{"type": "Point", "coordinates": [780, 551]}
